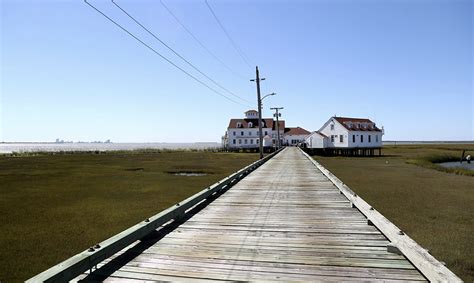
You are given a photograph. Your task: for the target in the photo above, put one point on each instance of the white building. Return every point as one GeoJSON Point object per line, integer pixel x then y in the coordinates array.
{"type": "Point", "coordinates": [316, 140]}
{"type": "Point", "coordinates": [294, 136]}
{"type": "Point", "coordinates": [343, 132]}
{"type": "Point", "coordinates": [243, 133]}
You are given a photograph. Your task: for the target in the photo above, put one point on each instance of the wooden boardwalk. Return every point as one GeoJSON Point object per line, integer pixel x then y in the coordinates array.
{"type": "Point", "coordinates": [284, 221]}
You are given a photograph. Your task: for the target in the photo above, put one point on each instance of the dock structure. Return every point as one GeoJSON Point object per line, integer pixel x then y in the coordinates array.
{"type": "Point", "coordinates": [289, 219]}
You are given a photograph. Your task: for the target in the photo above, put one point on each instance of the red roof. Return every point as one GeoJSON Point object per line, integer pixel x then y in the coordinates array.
{"type": "Point", "coordinates": [296, 131]}
{"type": "Point", "coordinates": [267, 123]}
{"type": "Point", "coordinates": [354, 124]}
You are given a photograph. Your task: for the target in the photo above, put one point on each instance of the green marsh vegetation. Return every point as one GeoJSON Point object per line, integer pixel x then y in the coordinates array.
{"type": "Point", "coordinates": [53, 206]}
{"type": "Point", "coordinates": [432, 204]}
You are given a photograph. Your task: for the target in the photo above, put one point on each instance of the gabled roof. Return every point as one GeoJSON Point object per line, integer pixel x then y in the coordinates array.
{"type": "Point", "coordinates": [267, 123]}
{"type": "Point", "coordinates": [353, 124]}
{"type": "Point", "coordinates": [318, 133]}
{"type": "Point", "coordinates": [321, 134]}
{"type": "Point", "coordinates": [296, 131]}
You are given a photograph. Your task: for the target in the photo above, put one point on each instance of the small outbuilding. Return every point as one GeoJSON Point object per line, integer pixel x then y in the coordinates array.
{"type": "Point", "coordinates": [316, 140]}
{"type": "Point", "coordinates": [295, 135]}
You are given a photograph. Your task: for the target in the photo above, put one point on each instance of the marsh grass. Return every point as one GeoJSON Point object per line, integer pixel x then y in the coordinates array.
{"type": "Point", "coordinates": [53, 206]}
{"type": "Point", "coordinates": [89, 152]}
{"type": "Point", "coordinates": [433, 206]}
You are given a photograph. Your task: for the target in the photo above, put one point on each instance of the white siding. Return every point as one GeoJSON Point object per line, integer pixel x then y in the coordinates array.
{"type": "Point", "coordinates": [244, 137]}
{"type": "Point", "coordinates": [288, 139]}
{"type": "Point", "coordinates": [365, 141]}
{"type": "Point", "coordinates": [347, 136]}
{"type": "Point", "coordinates": [335, 132]}
{"type": "Point", "coordinates": [315, 140]}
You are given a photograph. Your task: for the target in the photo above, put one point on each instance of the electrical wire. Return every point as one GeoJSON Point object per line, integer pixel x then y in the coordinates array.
{"type": "Point", "coordinates": [177, 54]}
{"type": "Point", "coordinates": [163, 57]}
{"type": "Point", "coordinates": [236, 47]}
{"type": "Point", "coordinates": [193, 36]}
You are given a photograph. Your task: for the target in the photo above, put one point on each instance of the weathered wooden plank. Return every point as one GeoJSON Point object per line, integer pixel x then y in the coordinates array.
{"type": "Point", "coordinates": [286, 258]}
{"type": "Point", "coordinates": [211, 263]}
{"type": "Point", "coordinates": [228, 275]}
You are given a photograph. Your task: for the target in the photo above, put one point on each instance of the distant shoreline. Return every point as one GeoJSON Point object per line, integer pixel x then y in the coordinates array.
{"type": "Point", "coordinates": [425, 142]}
{"type": "Point", "coordinates": [40, 142]}
{"type": "Point", "coordinates": [173, 143]}
{"type": "Point", "coordinates": [22, 147]}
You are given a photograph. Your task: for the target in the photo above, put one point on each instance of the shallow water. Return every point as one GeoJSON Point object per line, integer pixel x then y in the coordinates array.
{"type": "Point", "coordinates": [189, 174]}
{"type": "Point", "coordinates": [457, 164]}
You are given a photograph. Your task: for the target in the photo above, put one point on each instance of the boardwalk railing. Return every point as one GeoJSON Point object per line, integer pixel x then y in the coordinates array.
{"type": "Point", "coordinates": [86, 260]}
{"type": "Point", "coordinates": [429, 266]}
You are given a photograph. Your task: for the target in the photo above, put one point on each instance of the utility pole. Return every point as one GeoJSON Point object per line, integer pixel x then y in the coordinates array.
{"type": "Point", "coordinates": [259, 101]}
{"type": "Point", "coordinates": [277, 115]}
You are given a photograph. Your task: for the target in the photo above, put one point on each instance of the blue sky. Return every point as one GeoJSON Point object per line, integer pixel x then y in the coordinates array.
{"type": "Point", "coordinates": [66, 72]}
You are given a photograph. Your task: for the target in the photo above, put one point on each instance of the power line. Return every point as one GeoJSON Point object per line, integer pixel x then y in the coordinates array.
{"type": "Point", "coordinates": [236, 47]}
{"type": "Point", "coordinates": [163, 57]}
{"type": "Point", "coordinates": [177, 54]}
{"type": "Point", "coordinates": [200, 43]}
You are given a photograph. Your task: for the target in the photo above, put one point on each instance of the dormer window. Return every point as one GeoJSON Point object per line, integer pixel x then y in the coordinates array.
{"type": "Point", "coordinates": [250, 124]}
{"type": "Point", "coordinates": [239, 125]}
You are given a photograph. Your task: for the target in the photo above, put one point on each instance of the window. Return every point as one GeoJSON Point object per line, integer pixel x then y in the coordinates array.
{"type": "Point", "coordinates": [332, 138]}
{"type": "Point", "coordinates": [361, 138]}
{"type": "Point", "coordinates": [245, 141]}
{"type": "Point", "coordinates": [242, 133]}
{"type": "Point", "coordinates": [250, 133]}
{"type": "Point", "coordinates": [370, 138]}
{"type": "Point", "coordinates": [266, 133]}
{"type": "Point", "coordinates": [233, 141]}
{"type": "Point", "coordinates": [353, 138]}
{"type": "Point", "coordinates": [257, 141]}
{"type": "Point", "coordinates": [234, 133]}
{"type": "Point", "coordinates": [341, 138]}
{"type": "Point", "coordinates": [251, 141]}
{"type": "Point", "coordinates": [376, 138]}
{"type": "Point", "coordinates": [332, 127]}
{"type": "Point", "coordinates": [239, 125]}
{"type": "Point", "coordinates": [240, 141]}
{"type": "Point", "coordinates": [250, 124]}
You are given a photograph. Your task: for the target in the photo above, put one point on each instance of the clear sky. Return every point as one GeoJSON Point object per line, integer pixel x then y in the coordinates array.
{"type": "Point", "coordinates": [67, 72]}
